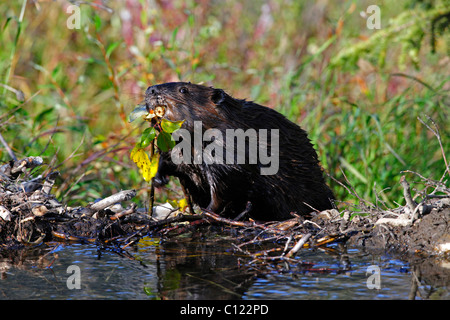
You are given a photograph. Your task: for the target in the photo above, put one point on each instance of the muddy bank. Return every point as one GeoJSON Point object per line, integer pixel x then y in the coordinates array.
{"type": "Point", "coordinates": [30, 215]}
{"type": "Point", "coordinates": [395, 230]}
{"type": "Point", "coordinates": [429, 235]}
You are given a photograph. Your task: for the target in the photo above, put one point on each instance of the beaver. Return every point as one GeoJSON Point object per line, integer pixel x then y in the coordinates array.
{"type": "Point", "coordinates": [294, 184]}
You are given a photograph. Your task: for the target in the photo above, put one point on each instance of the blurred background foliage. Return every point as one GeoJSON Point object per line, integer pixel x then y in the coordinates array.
{"type": "Point", "coordinates": [65, 93]}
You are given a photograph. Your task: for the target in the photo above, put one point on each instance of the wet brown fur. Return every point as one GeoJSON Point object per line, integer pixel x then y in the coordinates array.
{"type": "Point", "coordinates": [226, 189]}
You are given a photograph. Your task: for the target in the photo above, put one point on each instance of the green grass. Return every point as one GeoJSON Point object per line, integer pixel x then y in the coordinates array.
{"type": "Point", "coordinates": [361, 111]}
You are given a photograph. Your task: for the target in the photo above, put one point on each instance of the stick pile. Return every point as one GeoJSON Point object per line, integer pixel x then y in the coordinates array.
{"type": "Point", "coordinates": [30, 214]}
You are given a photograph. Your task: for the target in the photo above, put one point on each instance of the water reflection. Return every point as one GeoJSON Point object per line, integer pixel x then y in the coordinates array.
{"type": "Point", "coordinates": [207, 268]}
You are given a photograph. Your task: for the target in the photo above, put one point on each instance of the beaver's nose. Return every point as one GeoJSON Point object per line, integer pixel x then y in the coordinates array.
{"type": "Point", "coordinates": [153, 90]}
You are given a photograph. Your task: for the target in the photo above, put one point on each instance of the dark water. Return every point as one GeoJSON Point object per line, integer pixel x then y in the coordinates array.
{"type": "Point", "coordinates": [186, 268]}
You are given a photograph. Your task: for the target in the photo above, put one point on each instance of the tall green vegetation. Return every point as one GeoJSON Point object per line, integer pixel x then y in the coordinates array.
{"type": "Point", "coordinates": [65, 93]}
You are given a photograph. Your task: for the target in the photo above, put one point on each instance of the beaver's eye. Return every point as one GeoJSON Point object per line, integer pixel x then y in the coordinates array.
{"type": "Point", "coordinates": [183, 90]}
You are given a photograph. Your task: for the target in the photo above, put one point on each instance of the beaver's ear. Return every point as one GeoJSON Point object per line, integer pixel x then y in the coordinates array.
{"type": "Point", "coordinates": [222, 100]}
{"type": "Point", "coordinates": [218, 96]}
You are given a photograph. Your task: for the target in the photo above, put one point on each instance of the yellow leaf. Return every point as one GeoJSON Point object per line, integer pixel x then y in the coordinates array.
{"type": "Point", "coordinates": [147, 168]}
{"type": "Point", "coordinates": [133, 153]}
{"type": "Point", "coordinates": [153, 166]}
{"type": "Point", "coordinates": [182, 204]}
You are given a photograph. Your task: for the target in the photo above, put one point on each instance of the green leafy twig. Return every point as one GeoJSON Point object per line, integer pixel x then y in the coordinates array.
{"type": "Point", "coordinates": [159, 135]}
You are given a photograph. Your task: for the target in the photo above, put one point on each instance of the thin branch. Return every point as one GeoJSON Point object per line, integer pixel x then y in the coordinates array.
{"type": "Point", "coordinates": [438, 136]}
{"type": "Point", "coordinates": [298, 245]}
{"type": "Point", "coordinates": [8, 149]}
{"type": "Point", "coordinates": [407, 194]}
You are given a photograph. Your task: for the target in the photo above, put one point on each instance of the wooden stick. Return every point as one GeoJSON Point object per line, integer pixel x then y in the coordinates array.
{"type": "Point", "coordinates": [117, 197]}
{"type": "Point", "coordinates": [298, 245]}
{"type": "Point", "coordinates": [124, 212]}
{"type": "Point", "coordinates": [245, 224]}
{"type": "Point", "coordinates": [407, 194]}
{"type": "Point", "coordinates": [218, 218]}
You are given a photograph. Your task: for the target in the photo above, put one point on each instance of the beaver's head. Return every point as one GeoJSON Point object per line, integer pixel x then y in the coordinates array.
{"type": "Point", "coordinates": [190, 102]}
